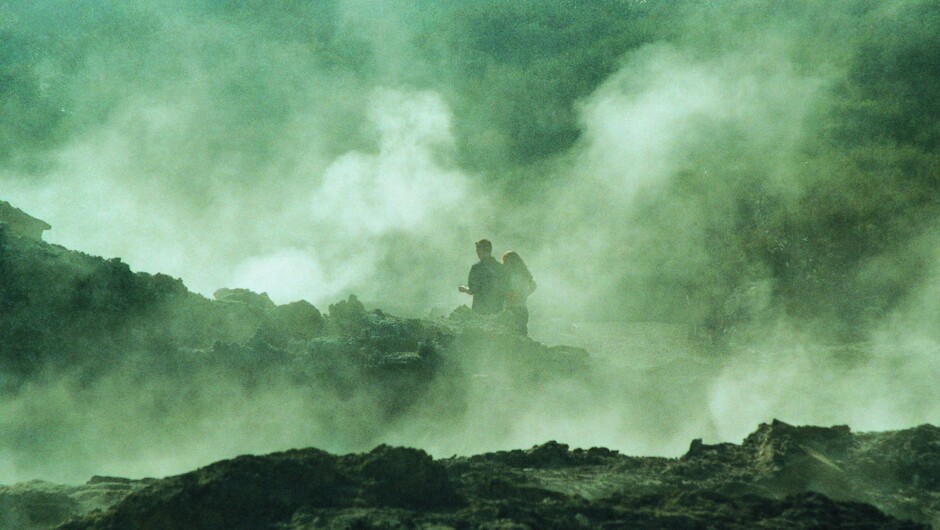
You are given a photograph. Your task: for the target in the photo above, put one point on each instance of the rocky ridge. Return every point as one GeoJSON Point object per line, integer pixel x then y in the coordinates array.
{"type": "Point", "coordinates": [67, 312]}
{"type": "Point", "coordinates": [781, 476]}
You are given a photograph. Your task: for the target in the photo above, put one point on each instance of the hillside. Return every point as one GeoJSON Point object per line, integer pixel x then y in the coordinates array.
{"type": "Point", "coordinates": [73, 317]}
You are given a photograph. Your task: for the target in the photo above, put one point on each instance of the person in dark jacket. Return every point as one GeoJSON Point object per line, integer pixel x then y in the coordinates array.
{"type": "Point", "coordinates": [486, 282]}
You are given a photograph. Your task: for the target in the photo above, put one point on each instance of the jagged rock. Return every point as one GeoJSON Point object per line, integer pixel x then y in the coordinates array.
{"type": "Point", "coordinates": [19, 223]}
{"type": "Point", "coordinates": [244, 296]}
{"type": "Point", "coordinates": [298, 320]}
{"type": "Point", "coordinates": [347, 316]}
{"type": "Point", "coordinates": [39, 505]}
{"type": "Point", "coordinates": [35, 505]}
{"type": "Point", "coordinates": [910, 457]}
{"type": "Point", "coordinates": [776, 445]}
{"type": "Point", "coordinates": [547, 486]}
{"type": "Point", "coordinates": [261, 492]}
{"type": "Point", "coordinates": [549, 454]}
{"type": "Point", "coordinates": [781, 459]}
{"type": "Point", "coordinates": [403, 477]}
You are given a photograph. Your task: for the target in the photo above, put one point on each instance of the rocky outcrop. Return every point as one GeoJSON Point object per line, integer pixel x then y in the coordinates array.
{"type": "Point", "coordinates": [780, 459]}
{"type": "Point", "coordinates": [261, 492]}
{"type": "Point", "coordinates": [19, 223]}
{"type": "Point", "coordinates": [781, 476]}
{"type": "Point", "coordinates": [67, 312]}
{"type": "Point", "coordinates": [64, 309]}
{"type": "Point", "coordinates": [244, 296]}
{"type": "Point", "coordinates": [38, 505]}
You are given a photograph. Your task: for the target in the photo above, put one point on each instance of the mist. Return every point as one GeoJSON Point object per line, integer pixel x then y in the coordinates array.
{"type": "Point", "coordinates": [732, 205]}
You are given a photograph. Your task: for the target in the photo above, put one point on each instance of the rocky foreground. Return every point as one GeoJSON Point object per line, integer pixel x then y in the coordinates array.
{"type": "Point", "coordinates": [781, 476]}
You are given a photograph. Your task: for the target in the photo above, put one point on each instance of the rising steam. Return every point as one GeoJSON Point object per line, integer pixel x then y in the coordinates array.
{"type": "Point", "coordinates": [760, 175]}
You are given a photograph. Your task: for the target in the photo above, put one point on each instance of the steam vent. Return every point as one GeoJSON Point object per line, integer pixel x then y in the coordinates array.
{"type": "Point", "coordinates": [21, 223]}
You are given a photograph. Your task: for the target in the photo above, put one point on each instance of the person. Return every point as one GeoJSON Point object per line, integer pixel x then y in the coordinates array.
{"type": "Point", "coordinates": [486, 283]}
{"type": "Point", "coordinates": [519, 285]}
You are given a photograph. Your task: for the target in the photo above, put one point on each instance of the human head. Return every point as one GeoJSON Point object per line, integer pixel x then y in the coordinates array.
{"type": "Point", "coordinates": [512, 260]}
{"type": "Point", "coordinates": [484, 248]}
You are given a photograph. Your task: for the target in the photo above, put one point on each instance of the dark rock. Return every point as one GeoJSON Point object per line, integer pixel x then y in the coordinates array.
{"type": "Point", "coordinates": [244, 296]}
{"type": "Point", "coordinates": [298, 320]}
{"type": "Point", "coordinates": [778, 444]}
{"type": "Point", "coordinates": [41, 505]}
{"type": "Point", "coordinates": [405, 478]}
{"type": "Point", "coordinates": [348, 316]}
{"type": "Point", "coordinates": [910, 457]}
{"type": "Point", "coordinates": [33, 506]}
{"type": "Point", "coordinates": [260, 492]}
{"type": "Point", "coordinates": [246, 492]}
{"type": "Point", "coordinates": [547, 486]}
{"type": "Point", "coordinates": [19, 223]}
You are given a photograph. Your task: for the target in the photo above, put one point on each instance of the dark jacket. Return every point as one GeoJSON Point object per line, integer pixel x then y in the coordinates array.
{"type": "Point", "coordinates": [487, 284]}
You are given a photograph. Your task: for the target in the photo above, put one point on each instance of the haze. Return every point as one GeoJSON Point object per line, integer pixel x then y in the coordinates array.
{"type": "Point", "coordinates": [760, 175]}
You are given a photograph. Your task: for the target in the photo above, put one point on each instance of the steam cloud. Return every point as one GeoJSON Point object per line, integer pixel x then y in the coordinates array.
{"type": "Point", "coordinates": [760, 171]}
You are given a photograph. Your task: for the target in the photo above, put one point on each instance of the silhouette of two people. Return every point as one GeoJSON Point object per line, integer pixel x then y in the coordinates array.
{"type": "Point", "coordinates": [500, 287]}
